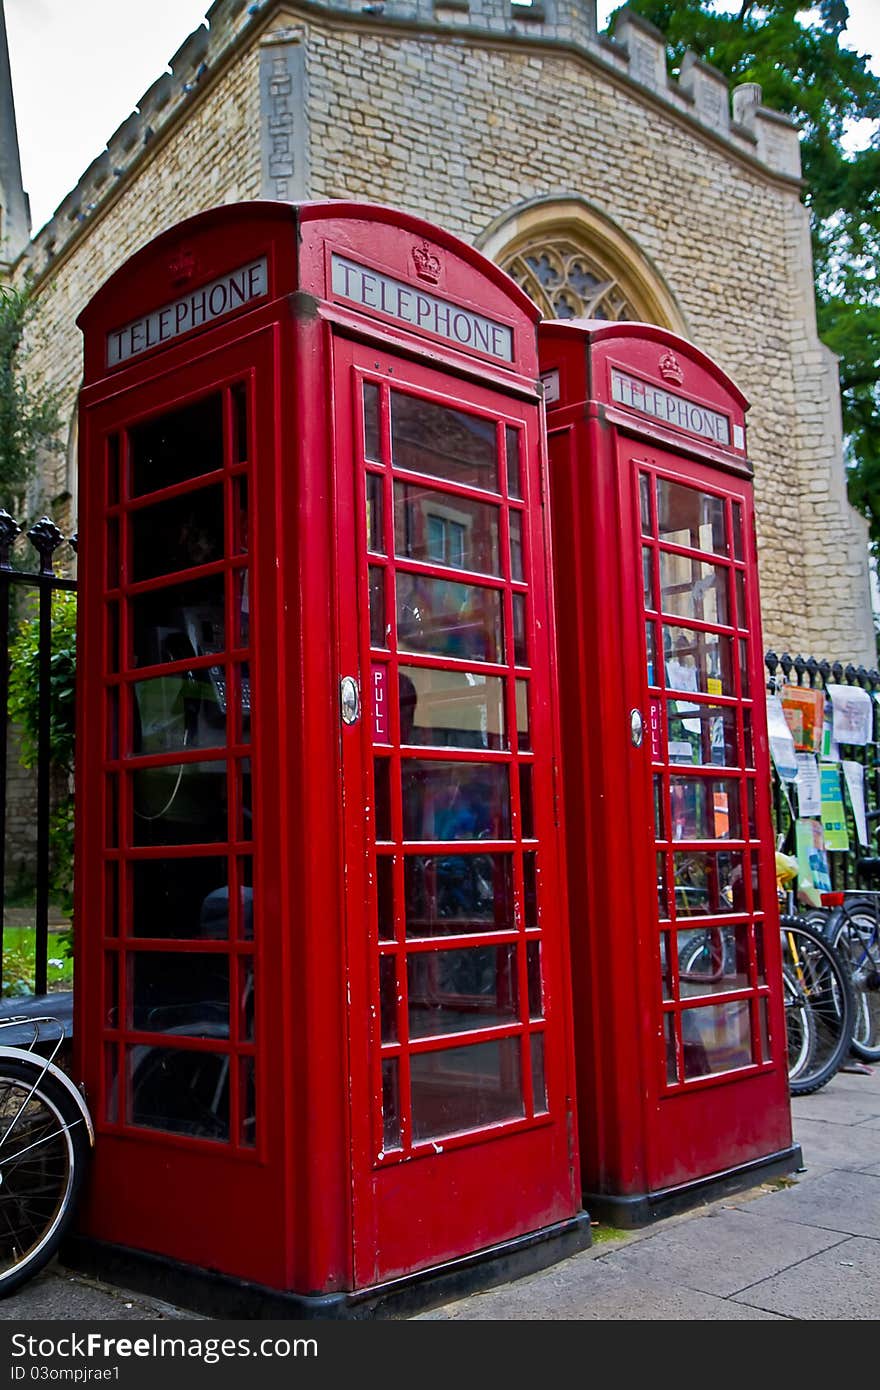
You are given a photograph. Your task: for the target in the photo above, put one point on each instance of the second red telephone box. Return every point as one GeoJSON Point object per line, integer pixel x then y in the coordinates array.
{"type": "Point", "coordinates": [681, 1051]}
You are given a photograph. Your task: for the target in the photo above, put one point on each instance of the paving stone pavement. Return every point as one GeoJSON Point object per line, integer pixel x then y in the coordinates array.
{"type": "Point", "coordinates": [804, 1248]}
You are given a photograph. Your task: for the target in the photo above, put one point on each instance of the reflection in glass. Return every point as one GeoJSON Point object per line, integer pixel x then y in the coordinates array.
{"type": "Point", "coordinates": [741, 610]}
{"type": "Point", "coordinates": [378, 634]}
{"type": "Point", "coordinates": [530, 888]}
{"type": "Point", "coordinates": [112, 554]}
{"type": "Point", "coordinates": [659, 809]}
{"type": "Point", "coordinates": [247, 1008]}
{"type": "Point", "coordinates": [443, 529]}
{"type": "Point", "coordinates": [391, 1138]}
{"type": "Point", "coordinates": [181, 444]}
{"type": "Point", "coordinates": [179, 804]}
{"type": "Point", "coordinates": [648, 576]}
{"type": "Point", "coordinates": [764, 1026]}
{"type": "Point", "coordinates": [690, 518]}
{"type": "Point", "coordinates": [182, 1092]}
{"type": "Point", "coordinates": [526, 802]}
{"type": "Point", "coordinates": [171, 713]}
{"type": "Point", "coordinates": [375, 526]}
{"type": "Point", "coordinates": [371, 422]}
{"type": "Point", "coordinates": [447, 443]}
{"type": "Point", "coordinates": [245, 896]}
{"type": "Point", "coordinates": [111, 989]}
{"type": "Point", "coordinates": [665, 966]}
{"type": "Point", "coordinates": [699, 661]}
{"type": "Point", "coordinates": [703, 734]}
{"type": "Point", "coordinates": [455, 801]}
{"type": "Point", "coordinates": [245, 829]}
{"type": "Point", "coordinates": [178, 622]}
{"type": "Point", "coordinates": [462, 1088]}
{"type": "Point", "coordinates": [693, 589]}
{"type": "Point", "coordinates": [662, 889]}
{"type": "Point", "coordinates": [708, 882]}
{"type": "Point", "coordinates": [516, 545]}
{"type": "Point", "coordinates": [714, 959]}
{"type": "Point", "coordinates": [180, 898]}
{"type": "Point", "coordinates": [737, 531]}
{"type": "Point", "coordinates": [112, 469]}
{"type": "Point", "coordinates": [716, 1038]}
{"type": "Point", "coordinates": [459, 709]}
{"type": "Point", "coordinates": [454, 894]}
{"type": "Point", "coordinates": [521, 692]}
{"type": "Point", "coordinates": [461, 990]}
{"type": "Point", "coordinates": [448, 619]}
{"type": "Point", "coordinates": [705, 809]}
{"type": "Point", "coordinates": [512, 439]}
{"type": "Point", "coordinates": [382, 794]}
{"type": "Point", "coordinates": [176, 535]}
{"type": "Point", "coordinates": [385, 897]}
{"type": "Point", "coordinates": [671, 1058]}
{"type": "Point", "coordinates": [388, 998]}
{"type": "Point", "coordinates": [179, 992]}
{"type": "Point", "coordinates": [240, 445]}
{"type": "Point", "coordinates": [536, 993]}
{"type": "Point", "coordinates": [111, 1084]}
{"type": "Point", "coordinates": [248, 1102]}
{"type": "Point", "coordinates": [111, 899]}
{"type": "Point", "coordinates": [539, 1083]}
{"type": "Point", "coordinates": [240, 516]}
{"type": "Point", "coordinates": [645, 503]}
{"type": "Point", "coordinates": [520, 646]}
{"type": "Point", "coordinates": [649, 649]}
{"type": "Point", "coordinates": [241, 608]}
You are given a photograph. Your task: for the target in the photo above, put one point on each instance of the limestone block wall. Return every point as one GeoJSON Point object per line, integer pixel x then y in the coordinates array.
{"type": "Point", "coordinates": [464, 111]}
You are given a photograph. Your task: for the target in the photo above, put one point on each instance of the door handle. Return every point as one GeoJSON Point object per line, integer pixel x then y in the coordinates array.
{"type": "Point", "coordinates": [349, 700]}
{"type": "Point", "coordinates": [636, 727]}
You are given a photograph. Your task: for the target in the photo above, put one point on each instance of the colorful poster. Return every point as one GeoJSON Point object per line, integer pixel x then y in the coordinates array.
{"type": "Point", "coordinates": [852, 714]}
{"type": "Point", "coordinates": [809, 799]}
{"type": "Point", "coordinates": [854, 774]}
{"type": "Point", "coordinates": [781, 741]}
{"type": "Point", "coordinates": [813, 876]}
{"type": "Point", "coordinates": [804, 710]}
{"type": "Point", "coordinates": [833, 816]}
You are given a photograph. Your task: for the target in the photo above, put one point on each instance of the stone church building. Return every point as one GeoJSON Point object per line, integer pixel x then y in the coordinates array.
{"type": "Point", "coordinates": [569, 157]}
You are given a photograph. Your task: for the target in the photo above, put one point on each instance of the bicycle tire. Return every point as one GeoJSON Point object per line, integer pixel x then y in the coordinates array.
{"type": "Point", "coordinates": [800, 1029]}
{"type": "Point", "coordinates": [854, 932]}
{"type": "Point", "coordinates": [814, 970]}
{"type": "Point", "coordinates": [44, 1153]}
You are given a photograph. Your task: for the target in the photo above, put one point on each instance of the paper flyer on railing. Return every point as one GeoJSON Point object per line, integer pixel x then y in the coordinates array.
{"type": "Point", "coordinates": [809, 800]}
{"type": "Point", "coordinates": [804, 710]}
{"type": "Point", "coordinates": [833, 815]}
{"type": "Point", "coordinates": [855, 786]}
{"type": "Point", "coordinates": [781, 741]}
{"type": "Point", "coordinates": [813, 875]}
{"type": "Point", "coordinates": [852, 714]}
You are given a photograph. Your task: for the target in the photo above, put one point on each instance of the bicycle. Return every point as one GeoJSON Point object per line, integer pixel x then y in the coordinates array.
{"type": "Point", "coordinates": [46, 1138]}
{"type": "Point", "coordinates": [853, 929]}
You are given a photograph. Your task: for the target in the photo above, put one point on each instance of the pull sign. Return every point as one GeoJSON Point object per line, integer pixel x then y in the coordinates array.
{"type": "Point", "coordinates": [637, 728]}
{"type": "Point", "coordinates": [379, 677]}
{"type": "Point", "coordinates": [349, 700]}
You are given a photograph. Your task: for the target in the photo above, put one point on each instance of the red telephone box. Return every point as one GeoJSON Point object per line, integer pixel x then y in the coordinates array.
{"type": "Point", "coordinates": [680, 1041]}
{"type": "Point", "coordinates": [322, 1009]}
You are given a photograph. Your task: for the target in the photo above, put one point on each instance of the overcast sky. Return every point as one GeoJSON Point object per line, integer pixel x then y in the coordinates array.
{"type": "Point", "coordinates": [80, 66]}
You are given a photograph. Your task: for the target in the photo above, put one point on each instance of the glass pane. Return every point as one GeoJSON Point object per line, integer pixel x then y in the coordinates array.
{"type": "Point", "coordinates": [242, 710]}
{"type": "Point", "coordinates": [764, 1025]}
{"type": "Point", "coordinates": [514, 483]}
{"type": "Point", "coordinates": [455, 801]}
{"type": "Point", "coordinates": [457, 894]}
{"type": "Point", "coordinates": [716, 1038]}
{"type": "Point", "coordinates": [533, 970]}
{"type": "Point", "coordinates": [112, 555]}
{"type": "Point", "coordinates": [241, 609]}
{"type": "Point", "coordinates": [447, 443]}
{"type": "Point", "coordinates": [705, 735]}
{"type": "Point", "coordinates": [375, 518]}
{"type": "Point", "coordinates": [111, 812]}
{"type": "Point", "coordinates": [111, 989]}
{"type": "Point", "coordinates": [111, 1084]}
{"type": "Point", "coordinates": [457, 991]}
{"type": "Point", "coordinates": [648, 576]}
{"type": "Point", "coordinates": [516, 545]}
{"type": "Point", "coordinates": [112, 617]}
{"type": "Point", "coordinates": [662, 888]}
{"type": "Point", "coordinates": [175, 712]}
{"type": "Point", "coordinates": [742, 617]}
{"type": "Point", "coordinates": [111, 899]}
{"type": "Point", "coordinates": [523, 737]}
{"type": "Point", "coordinates": [744, 666]}
{"type": "Point", "coordinates": [442, 529]}
{"type": "Point", "coordinates": [178, 622]}
{"type": "Point", "coordinates": [391, 1138]}
{"type": "Point", "coordinates": [705, 809]}
{"type": "Point", "coordinates": [449, 619]}
{"type": "Point", "coordinates": [112, 469]}
{"type": "Point", "coordinates": [239, 516]}
{"type": "Point", "coordinates": [371, 422]}
{"type": "Point", "coordinates": [693, 589]}
{"type": "Point", "coordinates": [388, 998]}
{"type": "Point", "coordinates": [245, 896]}
{"type": "Point", "coordinates": [665, 966]}
{"type": "Point", "coordinates": [179, 804]}
{"type": "Point", "coordinates": [183, 1092]}
{"type": "Point", "coordinates": [659, 809]}
{"type": "Point", "coordinates": [708, 881]}
{"type": "Point", "coordinates": [180, 898]}
{"type": "Point", "coordinates": [649, 648]}
{"type": "Point", "coordinates": [688, 517]}
{"type": "Point", "coordinates": [645, 503]}
{"type": "Point", "coordinates": [699, 661]}
{"type": "Point", "coordinates": [241, 444]}
{"type": "Point", "coordinates": [245, 800]}
{"type": "Point", "coordinates": [179, 992]}
{"type": "Point", "coordinates": [539, 1083]}
{"type": "Point", "coordinates": [182, 444]}
{"type": "Point", "coordinates": [246, 992]}
{"type": "Point", "coordinates": [378, 634]}
{"type": "Point", "coordinates": [382, 793]}
{"type": "Point", "coordinates": [385, 897]}
{"type": "Point", "coordinates": [671, 1059]}
{"type": "Point", "coordinates": [530, 889]}
{"type": "Point", "coordinates": [737, 531]}
{"type": "Point", "coordinates": [520, 647]}
{"type": "Point", "coordinates": [176, 535]}
{"type": "Point", "coordinates": [714, 959]}
{"type": "Point", "coordinates": [463, 1088]}
{"type": "Point", "coordinates": [248, 1102]}
{"type": "Point", "coordinates": [460, 709]}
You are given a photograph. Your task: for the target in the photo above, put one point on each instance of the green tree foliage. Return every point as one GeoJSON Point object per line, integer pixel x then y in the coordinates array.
{"type": "Point", "coordinates": [793, 50]}
{"type": "Point", "coordinates": [29, 418]}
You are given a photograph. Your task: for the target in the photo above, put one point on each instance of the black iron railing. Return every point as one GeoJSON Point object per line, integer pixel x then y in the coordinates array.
{"type": "Point", "coordinates": [46, 539]}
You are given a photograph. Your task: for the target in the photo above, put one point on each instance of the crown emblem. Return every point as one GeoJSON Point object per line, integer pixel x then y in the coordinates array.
{"type": "Point", "coordinates": [182, 267]}
{"type": "Point", "coordinates": [426, 263]}
{"type": "Point", "coordinates": [670, 368]}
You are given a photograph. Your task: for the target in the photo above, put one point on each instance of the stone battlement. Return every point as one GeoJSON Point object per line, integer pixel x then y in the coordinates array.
{"type": "Point", "coordinates": [636, 52]}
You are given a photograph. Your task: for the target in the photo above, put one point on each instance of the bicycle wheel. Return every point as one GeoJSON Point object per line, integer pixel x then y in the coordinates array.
{"type": "Point", "coordinates": [800, 1030]}
{"type": "Point", "coordinates": [44, 1149]}
{"type": "Point", "coordinates": [819, 981]}
{"type": "Point", "coordinates": [854, 932]}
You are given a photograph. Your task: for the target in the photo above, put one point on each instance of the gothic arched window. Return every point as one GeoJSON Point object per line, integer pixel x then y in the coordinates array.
{"type": "Point", "coordinates": [567, 283]}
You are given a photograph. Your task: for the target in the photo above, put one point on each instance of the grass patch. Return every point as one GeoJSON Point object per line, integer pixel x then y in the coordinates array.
{"type": "Point", "coordinates": [18, 962]}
